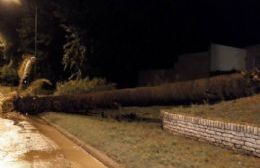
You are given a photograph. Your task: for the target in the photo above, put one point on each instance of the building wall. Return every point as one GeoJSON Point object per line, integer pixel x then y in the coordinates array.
{"type": "Point", "coordinates": [230, 135]}
{"type": "Point", "coordinates": [156, 77]}
{"type": "Point", "coordinates": [192, 66]}
{"type": "Point", "coordinates": [225, 58]}
{"type": "Point", "coordinates": [189, 67]}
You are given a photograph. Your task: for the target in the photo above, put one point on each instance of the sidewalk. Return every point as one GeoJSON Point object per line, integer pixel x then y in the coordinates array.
{"type": "Point", "coordinates": [23, 146]}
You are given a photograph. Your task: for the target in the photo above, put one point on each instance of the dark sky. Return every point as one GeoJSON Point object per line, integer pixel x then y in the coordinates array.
{"type": "Point", "coordinates": [183, 25]}
{"type": "Point", "coordinates": [190, 25]}
{"type": "Point", "coordinates": [151, 33]}
{"type": "Point", "coordinates": [157, 27]}
{"type": "Point", "coordinates": [231, 22]}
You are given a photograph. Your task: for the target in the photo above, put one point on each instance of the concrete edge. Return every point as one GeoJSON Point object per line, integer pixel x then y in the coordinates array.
{"type": "Point", "coordinates": [102, 157]}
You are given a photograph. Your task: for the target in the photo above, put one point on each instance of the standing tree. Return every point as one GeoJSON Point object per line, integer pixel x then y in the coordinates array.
{"type": "Point", "coordinates": [77, 49]}
{"type": "Point", "coordinates": [62, 38]}
{"type": "Point", "coordinates": [50, 38]}
{"type": "Point", "coordinates": [74, 57]}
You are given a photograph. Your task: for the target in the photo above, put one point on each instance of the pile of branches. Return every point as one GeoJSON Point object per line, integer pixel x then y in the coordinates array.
{"type": "Point", "coordinates": [210, 90]}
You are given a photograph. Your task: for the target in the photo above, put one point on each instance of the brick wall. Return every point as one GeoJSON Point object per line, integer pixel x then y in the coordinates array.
{"type": "Point", "coordinates": [238, 137]}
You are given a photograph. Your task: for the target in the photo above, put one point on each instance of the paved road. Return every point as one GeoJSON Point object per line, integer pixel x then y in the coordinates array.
{"type": "Point", "coordinates": [22, 145]}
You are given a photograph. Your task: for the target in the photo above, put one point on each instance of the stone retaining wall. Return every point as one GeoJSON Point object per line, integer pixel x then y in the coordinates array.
{"type": "Point", "coordinates": [233, 136]}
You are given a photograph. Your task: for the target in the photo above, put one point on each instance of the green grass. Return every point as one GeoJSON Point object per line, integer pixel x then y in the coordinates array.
{"type": "Point", "coordinates": [139, 114]}
{"type": "Point", "coordinates": [142, 145]}
{"type": "Point", "coordinates": [244, 110]}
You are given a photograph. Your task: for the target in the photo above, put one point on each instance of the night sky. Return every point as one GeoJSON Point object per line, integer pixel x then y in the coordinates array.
{"type": "Point", "coordinates": [154, 32]}
{"type": "Point", "coordinates": [149, 34]}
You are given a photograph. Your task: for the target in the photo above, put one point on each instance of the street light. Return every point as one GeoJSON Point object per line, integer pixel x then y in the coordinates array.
{"type": "Point", "coordinates": [18, 2]}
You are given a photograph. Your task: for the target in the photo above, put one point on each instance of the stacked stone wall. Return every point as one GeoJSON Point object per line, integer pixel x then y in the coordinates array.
{"type": "Point", "coordinates": [238, 137]}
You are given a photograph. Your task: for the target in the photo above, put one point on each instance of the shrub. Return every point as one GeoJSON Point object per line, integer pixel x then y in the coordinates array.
{"type": "Point", "coordinates": [83, 86]}
{"type": "Point", "coordinates": [8, 75]}
{"type": "Point", "coordinates": [36, 88]}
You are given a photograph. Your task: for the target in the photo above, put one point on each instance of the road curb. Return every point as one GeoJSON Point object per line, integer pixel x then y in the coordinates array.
{"type": "Point", "coordinates": [102, 157]}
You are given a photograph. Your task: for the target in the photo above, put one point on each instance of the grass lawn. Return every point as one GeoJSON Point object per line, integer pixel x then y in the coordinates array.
{"type": "Point", "coordinates": [144, 144]}
{"type": "Point", "coordinates": [244, 110]}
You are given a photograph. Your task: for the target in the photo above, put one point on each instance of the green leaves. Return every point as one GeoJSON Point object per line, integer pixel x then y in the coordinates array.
{"type": "Point", "coordinates": [74, 57]}
{"type": "Point", "coordinates": [8, 74]}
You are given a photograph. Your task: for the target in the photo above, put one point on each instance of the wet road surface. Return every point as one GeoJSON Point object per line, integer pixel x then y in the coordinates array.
{"type": "Point", "coordinates": [23, 145]}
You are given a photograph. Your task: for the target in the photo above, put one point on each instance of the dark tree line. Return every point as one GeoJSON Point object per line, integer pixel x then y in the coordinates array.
{"type": "Point", "coordinates": [106, 38]}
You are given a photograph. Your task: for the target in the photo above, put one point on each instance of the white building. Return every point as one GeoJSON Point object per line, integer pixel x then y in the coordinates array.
{"type": "Point", "coordinates": [219, 59]}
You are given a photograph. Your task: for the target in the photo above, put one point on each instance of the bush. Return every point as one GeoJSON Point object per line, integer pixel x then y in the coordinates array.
{"type": "Point", "coordinates": [37, 88]}
{"type": "Point", "coordinates": [8, 75]}
{"type": "Point", "coordinates": [83, 86]}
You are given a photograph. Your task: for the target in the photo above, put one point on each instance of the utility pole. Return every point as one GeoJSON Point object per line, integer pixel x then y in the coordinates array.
{"type": "Point", "coordinates": [36, 30]}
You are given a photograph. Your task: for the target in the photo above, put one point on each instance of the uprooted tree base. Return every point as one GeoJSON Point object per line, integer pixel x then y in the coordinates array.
{"type": "Point", "coordinates": [210, 90]}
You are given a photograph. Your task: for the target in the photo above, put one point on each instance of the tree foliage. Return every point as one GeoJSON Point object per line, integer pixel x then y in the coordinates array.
{"type": "Point", "coordinates": [74, 57]}
{"type": "Point", "coordinates": [26, 31]}
{"type": "Point", "coordinates": [97, 37]}
{"type": "Point", "coordinates": [49, 40]}
{"type": "Point", "coordinates": [8, 74]}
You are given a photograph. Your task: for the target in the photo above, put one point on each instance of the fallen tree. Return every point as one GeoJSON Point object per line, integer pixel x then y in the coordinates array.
{"type": "Point", "coordinates": [213, 89]}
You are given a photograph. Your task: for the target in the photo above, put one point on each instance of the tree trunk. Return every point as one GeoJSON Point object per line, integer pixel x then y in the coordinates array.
{"type": "Point", "coordinates": [210, 90]}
